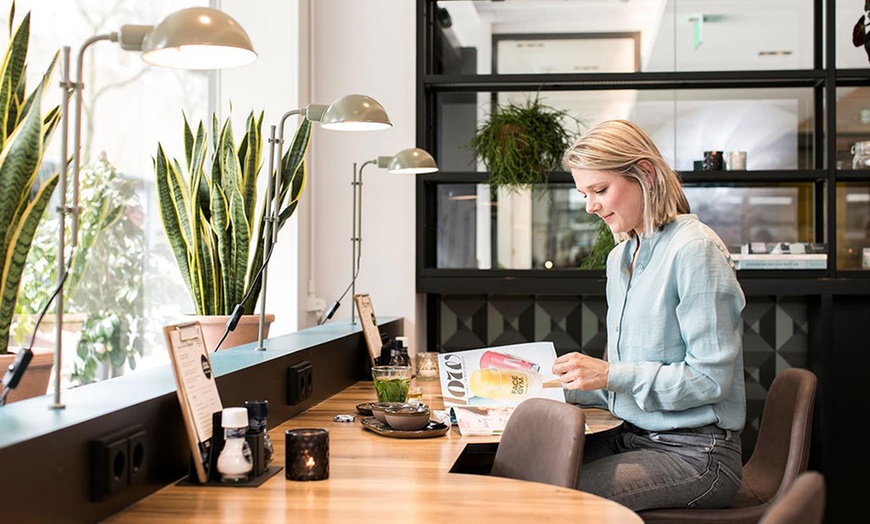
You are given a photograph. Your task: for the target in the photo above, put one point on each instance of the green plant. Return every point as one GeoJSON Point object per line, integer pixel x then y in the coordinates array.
{"type": "Point", "coordinates": [106, 276]}
{"type": "Point", "coordinates": [24, 133]}
{"type": "Point", "coordinates": [208, 209]}
{"type": "Point", "coordinates": [521, 144]}
{"type": "Point", "coordinates": [601, 246]}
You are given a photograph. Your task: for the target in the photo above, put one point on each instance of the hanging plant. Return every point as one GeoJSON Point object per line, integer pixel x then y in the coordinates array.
{"type": "Point", "coordinates": [521, 144]}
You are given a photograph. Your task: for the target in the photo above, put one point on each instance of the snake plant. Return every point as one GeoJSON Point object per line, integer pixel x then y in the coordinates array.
{"type": "Point", "coordinates": [24, 133]}
{"type": "Point", "coordinates": [207, 206]}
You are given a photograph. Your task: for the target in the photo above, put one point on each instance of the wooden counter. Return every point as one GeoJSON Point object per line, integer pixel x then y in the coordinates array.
{"type": "Point", "coordinates": [373, 478]}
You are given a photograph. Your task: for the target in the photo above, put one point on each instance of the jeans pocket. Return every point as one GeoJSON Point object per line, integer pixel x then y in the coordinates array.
{"type": "Point", "coordinates": [724, 484]}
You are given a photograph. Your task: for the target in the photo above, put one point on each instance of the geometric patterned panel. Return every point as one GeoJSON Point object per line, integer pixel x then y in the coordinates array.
{"type": "Point", "coordinates": [775, 334]}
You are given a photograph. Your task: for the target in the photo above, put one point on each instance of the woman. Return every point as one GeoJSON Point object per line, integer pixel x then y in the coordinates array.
{"type": "Point", "coordinates": [673, 369]}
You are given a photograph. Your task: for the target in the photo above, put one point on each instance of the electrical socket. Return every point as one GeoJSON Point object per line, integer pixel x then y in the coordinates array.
{"type": "Point", "coordinates": [117, 460]}
{"type": "Point", "coordinates": [138, 460]}
{"type": "Point", "coordinates": [300, 383]}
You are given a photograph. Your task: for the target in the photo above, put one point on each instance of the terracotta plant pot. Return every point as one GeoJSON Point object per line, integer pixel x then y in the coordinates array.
{"type": "Point", "coordinates": [34, 383]}
{"type": "Point", "coordinates": [247, 330]}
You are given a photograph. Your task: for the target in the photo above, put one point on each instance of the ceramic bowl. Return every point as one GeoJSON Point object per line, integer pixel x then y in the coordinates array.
{"type": "Point", "coordinates": [379, 407]}
{"type": "Point", "coordinates": [407, 418]}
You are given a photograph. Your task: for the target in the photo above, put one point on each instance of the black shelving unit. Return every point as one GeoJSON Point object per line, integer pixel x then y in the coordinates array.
{"type": "Point", "coordinates": [836, 301]}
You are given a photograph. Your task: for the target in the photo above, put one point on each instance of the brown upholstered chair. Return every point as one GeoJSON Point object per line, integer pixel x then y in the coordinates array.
{"type": "Point", "coordinates": [780, 455]}
{"type": "Point", "coordinates": [802, 503]}
{"type": "Point", "coordinates": [542, 442]}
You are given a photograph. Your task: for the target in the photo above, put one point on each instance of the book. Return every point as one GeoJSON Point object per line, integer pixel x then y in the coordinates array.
{"type": "Point", "coordinates": [481, 387]}
{"type": "Point", "coordinates": [806, 261]}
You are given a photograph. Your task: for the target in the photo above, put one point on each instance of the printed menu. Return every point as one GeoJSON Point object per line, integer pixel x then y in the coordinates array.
{"type": "Point", "coordinates": [197, 390]}
{"type": "Point", "coordinates": [481, 387]}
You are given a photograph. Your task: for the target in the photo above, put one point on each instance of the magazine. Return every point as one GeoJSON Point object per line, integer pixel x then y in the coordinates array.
{"type": "Point", "coordinates": [481, 387]}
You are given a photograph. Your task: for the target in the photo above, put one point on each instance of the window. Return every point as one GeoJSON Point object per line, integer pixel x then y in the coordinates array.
{"type": "Point", "coordinates": [131, 285]}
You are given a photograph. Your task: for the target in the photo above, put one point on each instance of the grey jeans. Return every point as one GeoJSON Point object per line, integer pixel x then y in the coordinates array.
{"type": "Point", "coordinates": [684, 468]}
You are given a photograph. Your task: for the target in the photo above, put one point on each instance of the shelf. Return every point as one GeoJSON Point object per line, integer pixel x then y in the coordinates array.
{"type": "Point", "coordinates": [689, 177]}
{"type": "Point", "coordinates": [541, 282]}
{"type": "Point", "coordinates": [610, 81]}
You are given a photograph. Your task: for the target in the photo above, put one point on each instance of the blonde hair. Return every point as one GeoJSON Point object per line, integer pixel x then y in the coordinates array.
{"type": "Point", "coordinates": [618, 146]}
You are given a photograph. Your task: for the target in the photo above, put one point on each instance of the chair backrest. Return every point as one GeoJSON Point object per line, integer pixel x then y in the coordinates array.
{"type": "Point", "coordinates": [781, 454]}
{"type": "Point", "coordinates": [542, 442]}
{"type": "Point", "coordinates": [783, 447]}
{"type": "Point", "coordinates": [802, 503]}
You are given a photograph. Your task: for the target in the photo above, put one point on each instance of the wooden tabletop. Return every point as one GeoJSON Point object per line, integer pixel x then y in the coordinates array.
{"type": "Point", "coordinates": [373, 478]}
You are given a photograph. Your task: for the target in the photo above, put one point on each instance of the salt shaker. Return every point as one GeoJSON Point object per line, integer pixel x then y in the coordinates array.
{"type": "Point", "coordinates": [235, 461]}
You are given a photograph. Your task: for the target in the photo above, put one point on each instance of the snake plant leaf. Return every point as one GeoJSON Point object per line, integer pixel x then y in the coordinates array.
{"type": "Point", "coordinates": [249, 159]}
{"type": "Point", "coordinates": [12, 73]}
{"type": "Point", "coordinates": [220, 223]}
{"type": "Point", "coordinates": [19, 162]}
{"type": "Point", "coordinates": [213, 238]}
{"type": "Point", "coordinates": [170, 215]}
{"type": "Point", "coordinates": [24, 132]}
{"type": "Point", "coordinates": [16, 258]}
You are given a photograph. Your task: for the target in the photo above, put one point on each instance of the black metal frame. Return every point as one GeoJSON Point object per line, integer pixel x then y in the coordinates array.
{"type": "Point", "coordinates": [824, 177]}
{"type": "Point", "coordinates": [839, 300]}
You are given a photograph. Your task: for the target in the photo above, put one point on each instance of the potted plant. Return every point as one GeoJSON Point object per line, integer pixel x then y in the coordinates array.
{"type": "Point", "coordinates": [207, 205]}
{"type": "Point", "coordinates": [521, 144]}
{"type": "Point", "coordinates": [24, 133]}
{"type": "Point", "coordinates": [104, 306]}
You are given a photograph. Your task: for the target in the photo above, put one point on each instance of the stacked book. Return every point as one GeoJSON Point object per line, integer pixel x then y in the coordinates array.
{"type": "Point", "coordinates": [781, 255]}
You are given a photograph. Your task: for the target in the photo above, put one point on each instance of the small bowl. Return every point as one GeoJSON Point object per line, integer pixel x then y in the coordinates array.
{"type": "Point", "coordinates": [379, 407]}
{"type": "Point", "coordinates": [407, 418]}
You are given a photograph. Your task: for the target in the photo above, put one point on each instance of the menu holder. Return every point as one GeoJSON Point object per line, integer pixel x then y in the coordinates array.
{"type": "Point", "coordinates": [369, 325]}
{"type": "Point", "coordinates": [197, 392]}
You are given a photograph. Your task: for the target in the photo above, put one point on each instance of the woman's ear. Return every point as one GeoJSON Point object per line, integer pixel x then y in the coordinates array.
{"type": "Point", "coordinates": [648, 170]}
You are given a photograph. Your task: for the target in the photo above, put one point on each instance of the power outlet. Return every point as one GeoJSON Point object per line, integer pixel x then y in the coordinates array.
{"type": "Point", "coordinates": [117, 460]}
{"type": "Point", "coordinates": [136, 453]}
{"type": "Point", "coordinates": [300, 384]}
{"type": "Point", "coordinates": [109, 461]}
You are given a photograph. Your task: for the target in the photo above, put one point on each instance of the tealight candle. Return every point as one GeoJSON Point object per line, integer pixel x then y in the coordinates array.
{"type": "Point", "coordinates": [307, 454]}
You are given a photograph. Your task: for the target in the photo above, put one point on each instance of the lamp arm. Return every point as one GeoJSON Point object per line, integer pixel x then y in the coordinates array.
{"type": "Point", "coordinates": [271, 208]}
{"type": "Point", "coordinates": [356, 234]}
{"type": "Point", "coordinates": [78, 86]}
{"type": "Point", "coordinates": [67, 84]}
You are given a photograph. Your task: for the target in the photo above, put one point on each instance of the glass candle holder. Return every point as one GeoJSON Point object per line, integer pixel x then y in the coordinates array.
{"type": "Point", "coordinates": [427, 366]}
{"type": "Point", "coordinates": [307, 454]}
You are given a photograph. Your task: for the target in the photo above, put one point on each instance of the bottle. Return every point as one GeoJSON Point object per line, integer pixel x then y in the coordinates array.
{"type": "Point", "coordinates": [493, 359]}
{"type": "Point", "coordinates": [508, 384]}
{"type": "Point", "coordinates": [399, 352]}
{"type": "Point", "coordinates": [258, 412]}
{"type": "Point", "coordinates": [235, 462]}
{"type": "Point", "coordinates": [861, 155]}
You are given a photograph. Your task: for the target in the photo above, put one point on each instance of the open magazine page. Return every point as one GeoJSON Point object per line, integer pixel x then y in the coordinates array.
{"type": "Point", "coordinates": [482, 386]}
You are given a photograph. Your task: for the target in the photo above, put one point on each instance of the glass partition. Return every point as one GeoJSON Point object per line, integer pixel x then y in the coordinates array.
{"type": "Point", "coordinates": [578, 36]}
{"type": "Point", "coordinates": [773, 126]}
{"type": "Point", "coordinates": [853, 226]}
{"type": "Point", "coordinates": [550, 229]}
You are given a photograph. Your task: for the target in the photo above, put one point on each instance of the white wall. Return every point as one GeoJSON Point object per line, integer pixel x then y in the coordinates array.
{"type": "Point", "coordinates": [365, 47]}
{"type": "Point", "coordinates": [356, 46]}
{"type": "Point", "coordinates": [270, 84]}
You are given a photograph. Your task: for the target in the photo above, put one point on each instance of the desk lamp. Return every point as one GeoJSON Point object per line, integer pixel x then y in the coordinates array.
{"type": "Point", "coordinates": [414, 161]}
{"type": "Point", "coordinates": [348, 113]}
{"type": "Point", "coordinates": [193, 38]}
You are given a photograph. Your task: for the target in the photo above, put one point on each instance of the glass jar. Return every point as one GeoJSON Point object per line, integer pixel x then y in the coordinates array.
{"type": "Point", "coordinates": [861, 155]}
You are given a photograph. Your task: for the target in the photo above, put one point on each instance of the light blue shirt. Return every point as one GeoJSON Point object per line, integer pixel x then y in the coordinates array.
{"type": "Point", "coordinates": [674, 332]}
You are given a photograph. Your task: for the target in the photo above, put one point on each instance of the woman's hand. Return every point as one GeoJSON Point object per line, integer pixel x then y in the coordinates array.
{"type": "Point", "coordinates": [579, 371]}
